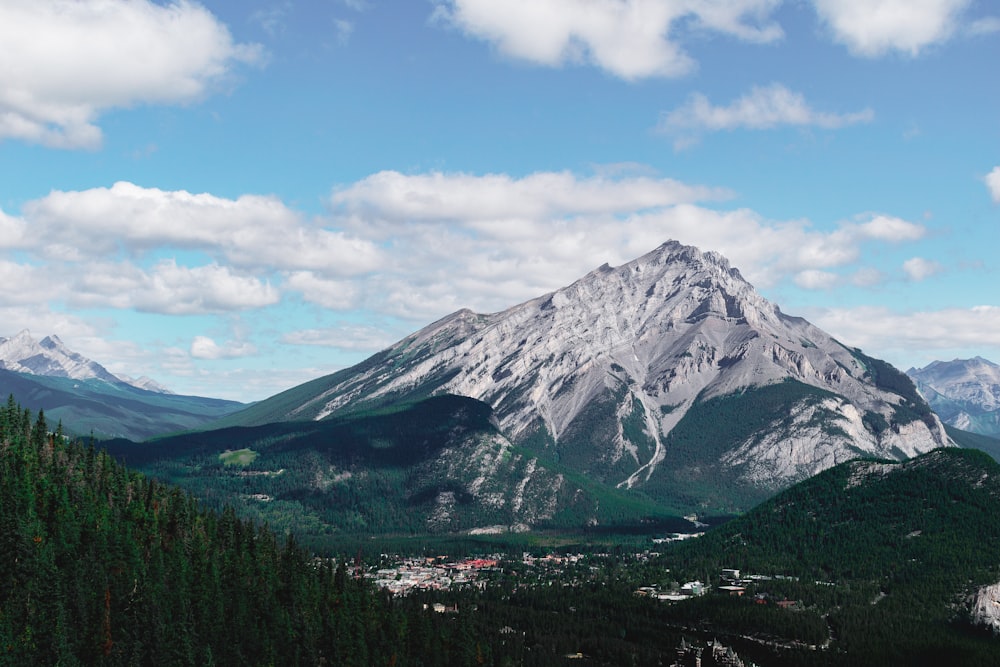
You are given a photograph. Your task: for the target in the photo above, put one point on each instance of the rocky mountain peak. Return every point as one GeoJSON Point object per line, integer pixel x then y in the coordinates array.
{"type": "Point", "coordinates": [50, 357]}
{"type": "Point", "coordinates": [605, 373]}
{"type": "Point", "coordinates": [965, 392]}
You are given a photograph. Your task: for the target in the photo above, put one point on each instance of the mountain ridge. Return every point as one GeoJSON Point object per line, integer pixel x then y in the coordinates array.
{"type": "Point", "coordinates": [964, 392]}
{"type": "Point", "coordinates": [599, 373]}
{"type": "Point", "coordinates": [50, 357]}
{"type": "Point", "coordinates": [88, 399]}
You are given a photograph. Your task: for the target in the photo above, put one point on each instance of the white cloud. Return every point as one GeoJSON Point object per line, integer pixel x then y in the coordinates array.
{"type": "Point", "coordinates": [873, 28]}
{"type": "Point", "coordinates": [985, 26]}
{"type": "Point", "coordinates": [26, 284]}
{"type": "Point", "coordinates": [203, 347]}
{"type": "Point", "coordinates": [391, 195]}
{"type": "Point", "coordinates": [867, 277]}
{"type": "Point", "coordinates": [251, 232]}
{"type": "Point", "coordinates": [891, 333]}
{"type": "Point", "coordinates": [814, 279]}
{"type": "Point", "coordinates": [347, 337]}
{"type": "Point", "coordinates": [332, 294]}
{"type": "Point", "coordinates": [919, 268]}
{"type": "Point", "coordinates": [487, 242]}
{"type": "Point", "coordinates": [764, 107]}
{"type": "Point", "coordinates": [170, 289]}
{"type": "Point", "coordinates": [12, 231]}
{"type": "Point", "coordinates": [425, 244]}
{"type": "Point", "coordinates": [891, 229]}
{"type": "Point", "coordinates": [630, 39]}
{"type": "Point", "coordinates": [76, 59]}
{"type": "Point", "coordinates": [993, 184]}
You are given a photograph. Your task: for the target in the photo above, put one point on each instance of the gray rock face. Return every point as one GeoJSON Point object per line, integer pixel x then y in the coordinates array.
{"type": "Point", "coordinates": [51, 357]}
{"type": "Point", "coordinates": [599, 374]}
{"type": "Point", "coordinates": [964, 392]}
{"type": "Point", "coordinates": [986, 607]}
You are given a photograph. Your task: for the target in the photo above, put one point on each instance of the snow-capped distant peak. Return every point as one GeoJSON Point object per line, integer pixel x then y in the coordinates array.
{"type": "Point", "coordinates": [144, 382]}
{"type": "Point", "coordinates": [50, 357]}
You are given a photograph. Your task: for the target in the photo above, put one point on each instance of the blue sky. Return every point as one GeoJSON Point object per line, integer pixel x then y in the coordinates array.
{"type": "Point", "coordinates": [235, 197]}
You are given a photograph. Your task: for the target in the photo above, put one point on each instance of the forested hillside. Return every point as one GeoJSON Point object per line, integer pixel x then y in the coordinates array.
{"type": "Point", "coordinates": [435, 466]}
{"type": "Point", "coordinates": [888, 553]}
{"type": "Point", "coordinates": [101, 566]}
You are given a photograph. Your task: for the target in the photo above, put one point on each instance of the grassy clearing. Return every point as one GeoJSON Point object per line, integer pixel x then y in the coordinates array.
{"type": "Point", "coordinates": [238, 457]}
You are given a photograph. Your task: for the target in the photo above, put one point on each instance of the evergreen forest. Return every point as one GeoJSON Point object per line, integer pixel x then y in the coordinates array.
{"type": "Point", "coordinates": [869, 563]}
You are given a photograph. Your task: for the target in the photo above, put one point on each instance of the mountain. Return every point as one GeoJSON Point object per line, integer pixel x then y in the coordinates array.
{"type": "Point", "coordinates": [89, 399]}
{"type": "Point", "coordinates": [144, 382]}
{"type": "Point", "coordinates": [898, 558]}
{"type": "Point", "coordinates": [964, 392]}
{"type": "Point", "coordinates": [51, 358]}
{"type": "Point", "coordinates": [669, 375]}
{"type": "Point", "coordinates": [112, 410]}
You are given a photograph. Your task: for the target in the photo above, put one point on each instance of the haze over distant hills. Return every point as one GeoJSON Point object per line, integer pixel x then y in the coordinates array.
{"type": "Point", "coordinates": [89, 399]}
{"type": "Point", "coordinates": [669, 375]}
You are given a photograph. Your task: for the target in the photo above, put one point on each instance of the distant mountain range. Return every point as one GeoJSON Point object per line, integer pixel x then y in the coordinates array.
{"type": "Point", "coordinates": [669, 376]}
{"type": "Point", "coordinates": [50, 357]}
{"type": "Point", "coordinates": [89, 399]}
{"type": "Point", "coordinates": [965, 393]}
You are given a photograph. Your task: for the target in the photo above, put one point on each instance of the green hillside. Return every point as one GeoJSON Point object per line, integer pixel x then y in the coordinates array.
{"type": "Point", "coordinates": [437, 465]}
{"type": "Point", "coordinates": [112, 410]}
{"type": "Point", "coordinates": [100, 566]}
{"type": "Point", "coordinates": [894, 550]}
{"type": "Point", "coordinates": [969, 440]}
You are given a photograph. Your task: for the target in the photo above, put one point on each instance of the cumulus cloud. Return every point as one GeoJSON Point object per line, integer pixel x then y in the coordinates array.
{"type": "Point", "coordinates": [38, 317]}
{"type": "Point", "coordinates": [814, 279]}
{"type": "Point", "coordinates": [76, 59]}
{"type": "Point", "coordinates": [332, 294]}
{"type": "Point", "coordinates": [918, 268]}
{"type": "Point", "coordinates": [487, 242]}
{"type": "Point", "coordinates": [410, 246]}
{"type": "Point", "coordinates": [993, 184]}
{"type": "Point", "coordinates": [203, 347]}
{"type": "Point", "coordinates": [12, 231]}
{"type": "Point", "coordinates": [631, 39]}
{"type": "Point", "coordinates": [170, 288]}
{"type": "Point", "coordinates": [26, 284]}
{"type": "Point", "coordinates": [250, 232]}
{"type": "Point", "coordinates": [867, 277]}
{"type": "Point", "coordinates": [878, 328]}
{"type": "Point", "coordinates": [391, 195]}
{"type": "Point", "coordinates": [764, 107]}
{"type": "Point", "coordinates": [872, 28]}
{"type": "Point", "coordinates": [889, 228]}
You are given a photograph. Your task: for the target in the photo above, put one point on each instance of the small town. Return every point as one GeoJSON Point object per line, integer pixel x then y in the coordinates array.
{"type": "Point", "coordinates": [431, 574]}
